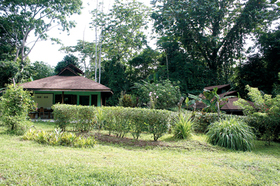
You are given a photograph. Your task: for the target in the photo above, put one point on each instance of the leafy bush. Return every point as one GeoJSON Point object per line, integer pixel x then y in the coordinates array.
{"type": "Point", "coordinates": [231, 133]}
{"type": "Point", "coordinates": [121, 120]}
{"type": "Point", "coordinates": [100, 118]}
{"type": "Point", "coordinates": [167, 94]}
{"type": "Point", "coordinates": [118, 120]}
{"type": "Point", "coordinates": [136, 121]}
{"type": "Point", "coordinates": [58, 137]}
{"type": "Point", "coordinates": [85, 118]}
{"type": "Point", "coordinates": [81, 118]}
{"type": "Point", "coordinates": [15, 104]}
{"type": "Point", "coordinates": [157, 121]}
{"type": "Point", "coordinates": [127, 100]}
{"type": "Point", "coordinates": [63, 115]}
{"type": "Point", "coordinates": [202, 120]}
{"type": "Point", "coordinates": [264, 116]}
{"type": "Point", "coordinates": [183, 126]}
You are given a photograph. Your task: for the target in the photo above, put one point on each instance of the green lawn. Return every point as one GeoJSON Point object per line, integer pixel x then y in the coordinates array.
{"type": "Point", "coordinates": [189, 162]}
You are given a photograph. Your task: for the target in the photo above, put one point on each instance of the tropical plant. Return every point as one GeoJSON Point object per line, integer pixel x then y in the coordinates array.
{"type": "Point", "coordinates": [183, 126]}
{"type": "Point", "coordinates": [265, 113]}
{"type": "Point", "coordinates": [58, 137]}
{"type": "Point", "coordinates": [231, 133]}
{"type": "Point", "coordinates": [213, 101]}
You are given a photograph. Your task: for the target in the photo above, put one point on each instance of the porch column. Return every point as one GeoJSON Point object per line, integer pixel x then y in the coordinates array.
{"type": "Point", "coordinates": [62, 97]}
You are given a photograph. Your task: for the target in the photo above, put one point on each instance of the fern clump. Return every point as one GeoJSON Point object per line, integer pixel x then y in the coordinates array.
{"type": "Point", "coordinates": [232, 134]}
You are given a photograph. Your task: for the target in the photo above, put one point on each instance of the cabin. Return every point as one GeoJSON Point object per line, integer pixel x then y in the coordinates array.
{"type": "Point", "coordinates": [68, 87]}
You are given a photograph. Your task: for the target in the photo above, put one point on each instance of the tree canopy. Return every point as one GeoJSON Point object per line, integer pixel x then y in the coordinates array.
{"type": "Point", "coordinates": [21, 18]}
{"type": "Point", "coordinates": [213, 30]}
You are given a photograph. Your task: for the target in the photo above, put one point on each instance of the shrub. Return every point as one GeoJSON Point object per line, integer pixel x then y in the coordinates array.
{"type": "Point", "coordinates": [231, 133]}
{"type": "Point", "coordinates": [127, 100]}
{"type": "Point", "coordinates": [58, 137]}
{"type": "Point", "coordinates": [85, 118]}
{"type": "Point", "coordinates": [82, 118]}
{"type": "Point", "coordinates": [202, 120]}
{"type": "Point", "coordinates": [15, 104]}
{"type": "Point", "coordinates": [166, 94]}
{"type": "Point", "coordinates": [121, 120]}
{"type": "Point", "coordinates": [157, 121]}
{"type": "Point", "coordinates": [265, 115]}
{"type": "Point", "coordinates": [100, 118]}
{"type": "Point", "coordinates": [183, 126]}
{"type": "Point", "coordinates": [138, 122]}
{"type": "Point", "coordinates": [63, 115]}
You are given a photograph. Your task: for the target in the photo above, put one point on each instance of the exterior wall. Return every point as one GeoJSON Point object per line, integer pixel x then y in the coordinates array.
{"type": "Point", "coordinates": [54, 93]}
{"type": "Point", "coordinates": [44, 100]}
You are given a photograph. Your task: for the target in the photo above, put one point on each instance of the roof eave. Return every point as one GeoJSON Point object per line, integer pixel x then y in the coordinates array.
{"type": "Point", "coordinates": [79, 90]}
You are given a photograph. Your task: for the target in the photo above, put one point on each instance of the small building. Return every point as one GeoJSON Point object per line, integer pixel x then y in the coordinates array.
{"type": "Point", "coordinates": [68, 87]}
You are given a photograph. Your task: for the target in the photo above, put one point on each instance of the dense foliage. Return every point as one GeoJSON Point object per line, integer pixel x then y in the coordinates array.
{"type": "Point", "coordinates": [212, 32]}
{"type": "Point", "coordinates": [81, 117]}
{"type": "Point", "coordinates": [265, 63]}
{"type": "Point", "coordinates": [21, 19]}
{"type": "Point", "coordinates": [231, 133]}
{"type": "Point", "coordinates": [162, 95]}
{"type": "Point", "coordinates": [117, 120]}
{"type": "Point", "coordinates": [15, 104]}
{"type": "Point", "coordinates": [264, 115]}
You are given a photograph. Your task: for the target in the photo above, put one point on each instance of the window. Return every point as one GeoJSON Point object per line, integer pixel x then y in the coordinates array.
{"type": "Point", "coordinates": [84, 100]}
{"type": "Point", "coordinates": [68, 99]}
{"type": "Point", "coordinates": [94, 100]}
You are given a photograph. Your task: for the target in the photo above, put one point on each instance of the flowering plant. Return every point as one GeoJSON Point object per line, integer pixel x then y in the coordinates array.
{"type": "Point", "coordinates": [153, 99]}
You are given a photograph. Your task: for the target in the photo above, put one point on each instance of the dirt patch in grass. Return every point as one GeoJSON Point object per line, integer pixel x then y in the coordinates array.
{"type": "Point", "coordinates": [184, 144]}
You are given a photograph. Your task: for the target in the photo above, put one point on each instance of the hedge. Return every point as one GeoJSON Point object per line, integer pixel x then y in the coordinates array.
{"type": "Point", "coordinates": [118, 120]}
{"type": "Point", "coordinates": [123, 120]}
{"type": "Point", "coordinates": [81, 118]}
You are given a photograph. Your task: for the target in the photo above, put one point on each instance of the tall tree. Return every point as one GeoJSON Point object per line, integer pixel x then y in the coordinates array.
{"type": "Point", "coordinates": [114, 76]}
{"type": "Point", "coordinates": [68, 59]}
{"type": "Point", "coordinates": [7, 46]}
{"type": "Point", "coordinates": [28, 16]}
{"type": "Point", "coordinates": [143, 65]}
{"type": "Point", "coordinates": [86, 52]}
{"type": "Point", "coordinates": [41, 70]}
{"type": "Point", "coordinates": [214, 30]}
{"type": "Point", "coordinates": [123, 33]}
{"type": "Point", "coordinates": [7, 70]}
{"type": "Point", "coordinates": [261, 69]}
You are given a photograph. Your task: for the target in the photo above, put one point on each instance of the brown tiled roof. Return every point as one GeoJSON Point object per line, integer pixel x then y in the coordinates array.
{"type": "Point", "coordinates": [65, 83]}
{"type": "Point", "coordinates": [228, 105]}
{"type": "Point", "coordinates": [230, 93]}
{"type": "Point", "coordinates": [218, 86]}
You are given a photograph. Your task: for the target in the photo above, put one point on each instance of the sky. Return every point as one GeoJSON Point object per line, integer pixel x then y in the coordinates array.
{"type": "Point", "coordinates": [48, 52]}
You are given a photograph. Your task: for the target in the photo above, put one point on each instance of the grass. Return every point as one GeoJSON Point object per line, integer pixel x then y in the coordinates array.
{"type": "Point", "coordinates": [29, 163]}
